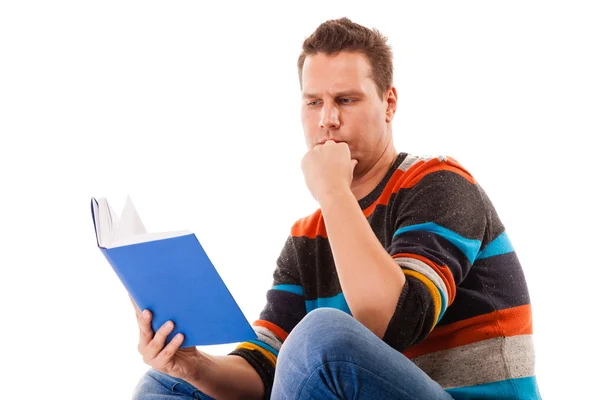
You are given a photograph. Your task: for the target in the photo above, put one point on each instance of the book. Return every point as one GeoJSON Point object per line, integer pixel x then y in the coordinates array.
{"type": "Point", "coordinates": [170, 274]}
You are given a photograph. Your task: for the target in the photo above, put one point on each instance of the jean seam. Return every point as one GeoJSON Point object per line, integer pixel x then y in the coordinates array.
{"type": "Point", "coordinates": [323, 365]}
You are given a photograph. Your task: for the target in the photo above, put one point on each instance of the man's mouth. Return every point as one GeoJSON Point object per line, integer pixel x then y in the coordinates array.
{"type": "Point", "coordinates": [335, 140]}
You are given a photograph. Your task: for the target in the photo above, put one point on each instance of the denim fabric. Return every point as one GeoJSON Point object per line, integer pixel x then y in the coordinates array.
{"type": "Point", "coordinates": [155, 385]}
{"type": "Point", "coordinates": [328, 355]}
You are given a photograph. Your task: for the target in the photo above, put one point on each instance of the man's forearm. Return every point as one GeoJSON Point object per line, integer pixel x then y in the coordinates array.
{"type": "Point", "coordinates": [229, 378]}
{"type": "Point", "coordinates": [370, 279]}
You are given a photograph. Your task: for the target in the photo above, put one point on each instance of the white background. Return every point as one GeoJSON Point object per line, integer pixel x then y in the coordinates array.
{"type": "Point", "coordinates": [193, 110]}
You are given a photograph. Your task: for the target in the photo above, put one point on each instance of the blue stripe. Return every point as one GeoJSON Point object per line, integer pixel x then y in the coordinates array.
{"type": "Point", "coordinates": [520, 388]}
{"type": "Point", "coordinates": [500, 245]}
{"type": "Point", "coordinates": [296, 289]}
{"type": "Point", "coordinates": [338, 302]}
{"type": "Point", "coordinates": [469, 247]}
{"type": "Point", "coordinates": [264, 346]}
{"type": "Point", "coordinates": [443, 310]}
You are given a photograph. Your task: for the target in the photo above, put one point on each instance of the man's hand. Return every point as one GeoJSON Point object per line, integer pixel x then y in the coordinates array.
{"type": "Point", "coordinates": [328, 169]}
{"type": "Point", "coordinates": [185, 363]}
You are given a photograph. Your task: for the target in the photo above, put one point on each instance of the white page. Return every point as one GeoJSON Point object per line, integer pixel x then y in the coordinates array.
{"type": "Point", "coordinates": [129, 224]}
{"type": "Point", "coordinates": [104, 217]}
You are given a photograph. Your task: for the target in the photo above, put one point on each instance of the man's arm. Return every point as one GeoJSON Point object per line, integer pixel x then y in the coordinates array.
{"type": "Point", "coordinates": [228, 378]}
{"type": "Point", "coordinates": [438, 232]}
{"type": "Point", "coordinates": [369, 277]}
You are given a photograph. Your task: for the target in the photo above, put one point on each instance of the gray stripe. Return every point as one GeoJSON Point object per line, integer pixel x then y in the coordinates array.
{"type": "Point", "coordinates": [408, 162]}
{"type": "Point", "coordinates": [420, 266]}
{"type": "Point", "coordinates": [268, 337]}
{"type": "Point", "coordinates": [481, 362]}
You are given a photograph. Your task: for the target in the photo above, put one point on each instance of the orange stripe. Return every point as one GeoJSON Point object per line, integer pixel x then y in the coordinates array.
{"type": "Point", "coordinates": [442, 270]}
{"type": "Point", "coordinates": [311, 226]}
{"type": "Point", "coordinates": [281, 334]}
{"type": "Point", "coordinates": [512, 321]}
{"type": "Point", "coordinates": [384, 197]}
{"type": "Point", "coordinates": [251, 346]}
{"type": "Point", "coordinates": [414, 175]}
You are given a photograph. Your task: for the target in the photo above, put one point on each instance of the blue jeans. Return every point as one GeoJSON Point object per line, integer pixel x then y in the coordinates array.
{"type": "Point", "coordinates": [329, 355]}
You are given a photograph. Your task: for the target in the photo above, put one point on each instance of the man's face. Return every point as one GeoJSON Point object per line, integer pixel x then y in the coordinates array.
{"type": "Point", "coordinates": [340, 102]}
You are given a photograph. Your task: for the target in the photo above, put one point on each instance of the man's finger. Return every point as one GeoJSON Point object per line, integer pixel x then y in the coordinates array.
{"type": "Point", "coordinates": [146, 333]}
{"type": "Point", "coordinates": [167, 353]}
{"type": "Point", "coordinates": [158, 342]}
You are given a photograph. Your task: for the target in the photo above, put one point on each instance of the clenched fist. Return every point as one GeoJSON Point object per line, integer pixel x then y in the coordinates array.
{"type": "Point", "coordinates": [328, 169]}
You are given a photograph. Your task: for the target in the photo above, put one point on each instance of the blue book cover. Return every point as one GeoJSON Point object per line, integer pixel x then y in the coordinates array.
{"type": "Point", "coordinates": [172, 276]}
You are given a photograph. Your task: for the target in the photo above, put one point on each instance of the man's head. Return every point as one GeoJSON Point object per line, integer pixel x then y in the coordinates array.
{"type": "Point", "coordinates": [346, 76]}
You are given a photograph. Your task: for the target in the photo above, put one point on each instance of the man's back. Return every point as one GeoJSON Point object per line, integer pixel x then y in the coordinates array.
{"type": "Point", "coordinates": [464, 314]}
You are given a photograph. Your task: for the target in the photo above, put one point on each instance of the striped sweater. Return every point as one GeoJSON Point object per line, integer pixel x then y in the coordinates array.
{"type": "Point", "coordinates": [464, 314]}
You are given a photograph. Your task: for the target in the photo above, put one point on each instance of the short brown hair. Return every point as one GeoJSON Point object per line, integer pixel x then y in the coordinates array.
{"type": "Point", "coordinates": [336, 35]}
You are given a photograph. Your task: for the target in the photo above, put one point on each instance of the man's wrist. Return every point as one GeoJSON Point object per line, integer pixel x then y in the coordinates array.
{"type": "Point", "coordinates": [333, 197]}
{"type": "Point", "coordinates": [204, 365]}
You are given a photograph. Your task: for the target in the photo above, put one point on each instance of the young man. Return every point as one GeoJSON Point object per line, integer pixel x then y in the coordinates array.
{"type": "Point", "coordinates": [403, 285]}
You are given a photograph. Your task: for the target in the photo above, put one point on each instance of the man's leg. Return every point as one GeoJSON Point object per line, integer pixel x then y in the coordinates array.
{"type": "Point", "coordinates": [330, 355]}
{"type": "Point", "coordinates": [155, 385]}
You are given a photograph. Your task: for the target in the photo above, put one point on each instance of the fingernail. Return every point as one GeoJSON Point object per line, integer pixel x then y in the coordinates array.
{"type": "Point", "coordinates": [145, 314]}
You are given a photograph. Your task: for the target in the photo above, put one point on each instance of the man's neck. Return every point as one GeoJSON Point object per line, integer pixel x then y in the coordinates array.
{"type": "Point", "coordinates": [364, 184]}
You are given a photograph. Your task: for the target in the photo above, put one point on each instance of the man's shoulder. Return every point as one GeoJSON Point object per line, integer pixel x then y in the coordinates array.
{"type": "Point", "coordinates": [415, 167]}
{"type": "Point", "coordinates": [412, 161]}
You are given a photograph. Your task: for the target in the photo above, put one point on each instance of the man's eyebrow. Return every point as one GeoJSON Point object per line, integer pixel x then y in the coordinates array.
{"type": "Point", "coordinates": [344, 93]}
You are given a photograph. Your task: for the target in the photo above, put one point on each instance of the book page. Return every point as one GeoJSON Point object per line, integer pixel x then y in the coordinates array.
{"type": "Point", "coordinates": [113, 221]}
{"type": "Point", "coordinates": [129, 224]}
{"type": "Point", "coordinates": [104, 217]}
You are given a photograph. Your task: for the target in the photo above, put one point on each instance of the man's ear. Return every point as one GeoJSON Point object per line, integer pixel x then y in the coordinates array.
{"type": "Point", "coordinates": [391, 97]}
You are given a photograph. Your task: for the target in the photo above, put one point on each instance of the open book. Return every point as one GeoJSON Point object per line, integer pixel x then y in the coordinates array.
{"type": "Point", "coordinates": [169, 274]}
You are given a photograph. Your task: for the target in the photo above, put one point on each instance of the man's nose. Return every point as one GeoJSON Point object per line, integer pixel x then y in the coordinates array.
{"type": "Point", "coordinates": [330, 117]}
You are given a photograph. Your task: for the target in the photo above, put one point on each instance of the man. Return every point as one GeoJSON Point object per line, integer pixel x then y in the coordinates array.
{"type": "Point", "coordinates": [403, 285]}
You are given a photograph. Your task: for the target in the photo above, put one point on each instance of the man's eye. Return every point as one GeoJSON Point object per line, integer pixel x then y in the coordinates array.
{"type": "Point", "coordinates": [312, 103]}
{"type": "Point", "coordinates": [346, 100]}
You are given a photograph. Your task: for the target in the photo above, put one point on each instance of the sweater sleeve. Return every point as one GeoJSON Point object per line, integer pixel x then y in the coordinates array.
{"type": "Point", "coordinates": [440, 223]}
{"type": "Point", "coordinates": [284, 308]}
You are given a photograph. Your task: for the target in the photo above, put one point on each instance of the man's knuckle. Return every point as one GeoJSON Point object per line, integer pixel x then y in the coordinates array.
{"type": "Point", "coordinates": [153, 346]}
{"type": "Point", "coordinates": [168, 352]}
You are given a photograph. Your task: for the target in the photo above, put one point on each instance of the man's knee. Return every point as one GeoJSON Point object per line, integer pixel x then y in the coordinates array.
{"type": "Point", "coordinates": [321, 333]}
